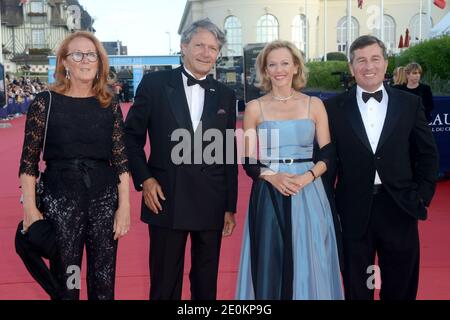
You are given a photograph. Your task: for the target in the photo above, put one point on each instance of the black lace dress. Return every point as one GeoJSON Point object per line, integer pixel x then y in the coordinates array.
{"type": "Point", "coordinates": [84, 155]}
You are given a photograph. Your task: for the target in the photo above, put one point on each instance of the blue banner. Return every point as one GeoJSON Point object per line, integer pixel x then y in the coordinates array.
{"type": "Point", "coordinates": [440, 125]}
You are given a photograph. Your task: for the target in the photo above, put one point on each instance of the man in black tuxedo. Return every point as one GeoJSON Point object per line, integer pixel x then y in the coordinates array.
{"type": "Point", "coordinates": [387, 168]}
{"type": "Point", "coordinates": [186, 190]}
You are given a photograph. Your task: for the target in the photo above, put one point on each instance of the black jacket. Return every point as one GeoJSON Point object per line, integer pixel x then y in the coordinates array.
{"type": "Point", "coordinates": [406, 158]}
{"type": "Point", "coordinates": [197, 195]}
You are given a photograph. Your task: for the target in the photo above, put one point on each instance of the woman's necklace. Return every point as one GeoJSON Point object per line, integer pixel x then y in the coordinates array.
{"type": "Point", "coordinates": [283, 99]}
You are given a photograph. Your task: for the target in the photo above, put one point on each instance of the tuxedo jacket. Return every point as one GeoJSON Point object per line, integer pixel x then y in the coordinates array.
{"type": "Point", "coordinates": [197, 194]}
{"type": "Point", "coordinates": [406, 158]}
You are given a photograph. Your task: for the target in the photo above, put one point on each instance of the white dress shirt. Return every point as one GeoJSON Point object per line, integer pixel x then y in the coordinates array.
{"type": "Point", "coordinates": [373, 114]}
{"type": "Point", "coordinates": [195, 96]}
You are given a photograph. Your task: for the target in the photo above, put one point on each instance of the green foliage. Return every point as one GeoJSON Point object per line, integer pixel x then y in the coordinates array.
{"type": "Point", "coordinates": [439, 87]}
{"type": "Point", "coordinates": [392, 64]}
{"type": "Point", "coordinates": [433, 55]}
{"type": "Point", "coordinates": [336, 56]}
{"type": "Point", "coordinates": [320, 75]}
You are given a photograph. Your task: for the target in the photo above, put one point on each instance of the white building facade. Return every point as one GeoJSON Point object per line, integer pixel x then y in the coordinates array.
{"type": "Point", "coordinates": [315, 26]}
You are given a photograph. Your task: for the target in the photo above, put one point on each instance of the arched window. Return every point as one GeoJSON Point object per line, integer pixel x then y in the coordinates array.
{"type": "Point", "coordinates": [342, 33]}
{"type": "Point", "coordinates": [414, 28]}
{"type": "Point", "coordinates": [267, 28]}
{"type": "Point", "coordinates": [233, 30]}
{"type": "Point", "coordinates": [299, 32]}
{"type": "Point", "coordinates": [390, 39]}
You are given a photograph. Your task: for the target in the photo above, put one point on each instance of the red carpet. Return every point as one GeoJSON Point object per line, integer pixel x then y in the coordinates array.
{"type": "Point", "coordinates": [132, 281]}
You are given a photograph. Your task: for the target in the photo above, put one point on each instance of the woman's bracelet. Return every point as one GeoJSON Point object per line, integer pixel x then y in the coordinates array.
{"type": "Point", "coordinates": [314, 176]}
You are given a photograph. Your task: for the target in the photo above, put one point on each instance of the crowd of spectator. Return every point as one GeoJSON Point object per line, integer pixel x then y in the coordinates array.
{"type": "Point", "coordinates": [121, 90]}
{"type": "Point", "coordinates": [19, 94]}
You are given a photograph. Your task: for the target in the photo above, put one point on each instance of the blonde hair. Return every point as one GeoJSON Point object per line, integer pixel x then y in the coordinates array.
{"type": "Point", "coordinates": [400, 76]}
{"type": "Point", "coordinates": [100, 85]}
{"type": "Point", "coordinates": [300, 78]}
{"type": "Point", "coordinates": [413, 66]}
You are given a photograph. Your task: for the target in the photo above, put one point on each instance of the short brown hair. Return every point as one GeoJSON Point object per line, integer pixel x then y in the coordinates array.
{"type": "Point", "coordinates": [100, 84]}
{"type": "Point", "coordinates": [299, 80]}
{"type": "Point", "coordinates": [413, 66]}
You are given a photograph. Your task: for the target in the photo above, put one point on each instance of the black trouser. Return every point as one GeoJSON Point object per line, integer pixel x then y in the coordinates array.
{"type": "Point", "coordinates": [81, 218]}
{"type": "Point", "coordinates": [393, 235]}
{"type": "Point", "coordinates": [167, 249]}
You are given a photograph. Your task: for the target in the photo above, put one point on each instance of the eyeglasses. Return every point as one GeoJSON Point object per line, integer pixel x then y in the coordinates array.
{"type": "Point", "coordinates": [79, 56]}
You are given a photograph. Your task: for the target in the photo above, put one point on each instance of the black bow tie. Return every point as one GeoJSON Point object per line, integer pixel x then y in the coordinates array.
{"type": "Point", "coordinates": [205, 83]}
{"type": "Point", "coordinates": [376, 95]}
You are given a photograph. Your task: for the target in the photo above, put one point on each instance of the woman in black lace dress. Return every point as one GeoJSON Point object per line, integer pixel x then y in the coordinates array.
{"type": "Point", "coordinates": [86, 179]}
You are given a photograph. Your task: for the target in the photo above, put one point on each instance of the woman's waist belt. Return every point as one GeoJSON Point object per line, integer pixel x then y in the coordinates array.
{"type": "Point", "coordinates": [82, 165]}
{"type": "Point", "coordinates": [287, 160]}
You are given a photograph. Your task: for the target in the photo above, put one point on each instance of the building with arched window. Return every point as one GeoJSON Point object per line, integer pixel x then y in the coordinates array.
{"type": "Point", "coordinates": [299, 31]}
{"type": "Point", "coordinates": [342, 35]}
{"type": "Point", "coordinates": [315, 26]}
{"type": "Point", "coordinates": [233, 30]}
{"type": "Point", "coordinates": [267, 28]}
{"type": "Point", "coordinates": [389, 33]}
{"type": "Point", "coordinates": [419, 26]}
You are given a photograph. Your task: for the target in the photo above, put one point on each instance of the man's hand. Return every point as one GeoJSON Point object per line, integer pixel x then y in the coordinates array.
{"type": "Point", "coordinates": [229, 224]}
{"type": "Point", "coordinates": [152, 192]}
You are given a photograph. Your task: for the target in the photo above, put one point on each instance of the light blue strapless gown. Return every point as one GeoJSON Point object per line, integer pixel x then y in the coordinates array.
{"type": "Point", "coordinates": [315, 262]}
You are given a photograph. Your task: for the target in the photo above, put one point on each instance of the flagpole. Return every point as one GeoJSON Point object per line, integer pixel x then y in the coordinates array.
{"type": "Point", "coordinates": [382, 20]}
{"type": "Point", "coordinates": [349, 27]}
{"type": "Point", "coordinates": [420, 21]}
{"type": "Point", "coordinates": [307, 34]}
{"type": "Point", "coordinates": [325, 30]}
{"type": "Point", "coordinates": [429, 18]}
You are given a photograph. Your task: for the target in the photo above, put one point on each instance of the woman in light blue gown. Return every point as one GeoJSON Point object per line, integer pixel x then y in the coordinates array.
{"type": "Point", "coordinates": [289, 248]}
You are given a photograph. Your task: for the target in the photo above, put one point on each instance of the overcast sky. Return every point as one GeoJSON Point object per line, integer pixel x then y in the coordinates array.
{"type": "Point", "coordinates": [141, 25]}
